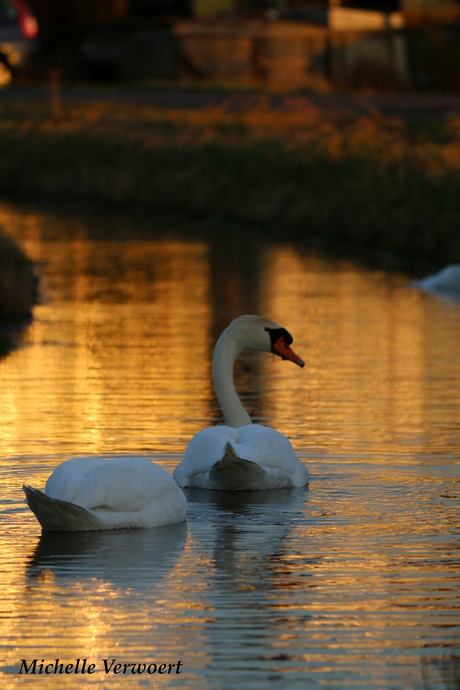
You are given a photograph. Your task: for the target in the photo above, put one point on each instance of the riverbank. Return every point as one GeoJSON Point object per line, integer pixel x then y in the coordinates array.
{"type": "Point", "coordinates": [302, 174]}
{"type": "Point", "coordinates": [18, 286]}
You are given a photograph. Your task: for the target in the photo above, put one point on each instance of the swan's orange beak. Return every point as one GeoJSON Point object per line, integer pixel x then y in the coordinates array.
{"type": "Point", "coordinates": [282, 349]}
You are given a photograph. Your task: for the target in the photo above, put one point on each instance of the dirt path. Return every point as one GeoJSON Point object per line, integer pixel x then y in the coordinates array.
{"type": "Point", "coordinates": [405, 106]}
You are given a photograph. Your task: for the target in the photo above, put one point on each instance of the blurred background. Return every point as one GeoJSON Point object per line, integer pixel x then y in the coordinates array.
{"type": "Point", "coordinates": [393, 45]}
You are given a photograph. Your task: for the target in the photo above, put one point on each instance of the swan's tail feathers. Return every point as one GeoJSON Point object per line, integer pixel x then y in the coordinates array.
{"type": "Point", "coordinates": [55, 515]}
{"type": "Point", "coordinates": [233, 473]}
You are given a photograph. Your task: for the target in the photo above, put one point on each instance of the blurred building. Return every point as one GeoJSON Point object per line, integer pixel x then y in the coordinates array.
{"type": "Point", "coordinates": [387, 45]}
{"type": "Point", "coordinates": [335, 13]}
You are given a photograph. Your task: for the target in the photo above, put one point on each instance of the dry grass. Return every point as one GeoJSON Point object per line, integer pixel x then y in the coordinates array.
{"type": "Point", "coordinates": [300, 173]}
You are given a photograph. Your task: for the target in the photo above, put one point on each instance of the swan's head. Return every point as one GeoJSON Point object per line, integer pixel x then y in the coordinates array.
{"type": "Point", "coordinates": [259, 333]}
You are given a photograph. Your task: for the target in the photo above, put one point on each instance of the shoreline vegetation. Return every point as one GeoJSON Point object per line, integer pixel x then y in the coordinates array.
{"type": "Point", "coordinates": [18, 282]}
{"type": "Point", "coordinates": [18, 291]}
{"type": "Point", "coordinates": [302, 175]}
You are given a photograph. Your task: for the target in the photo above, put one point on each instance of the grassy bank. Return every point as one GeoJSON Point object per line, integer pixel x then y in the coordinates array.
{"type": "Point", "coordinates": [301, 174]}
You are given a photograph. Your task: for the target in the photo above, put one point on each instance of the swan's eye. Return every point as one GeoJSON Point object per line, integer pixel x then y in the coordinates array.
{"type": "Point", "coordinates": [277, 333]}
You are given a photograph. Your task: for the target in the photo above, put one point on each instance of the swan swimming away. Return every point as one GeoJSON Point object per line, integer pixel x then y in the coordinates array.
{"type": "Point", "coordinates": [446, 283]}
{"type": "Point", "coordinates": [88, 494]}
{"type": "Point", "coordinates": [242, 456]}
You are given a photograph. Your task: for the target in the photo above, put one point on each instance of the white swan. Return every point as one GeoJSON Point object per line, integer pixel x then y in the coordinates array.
{"type": "Point", "coordinates": [242, 456]}
{"type": "Point", "coordinates": [87, 494]}
{"type": "Point", "coordinates": [446, 283]}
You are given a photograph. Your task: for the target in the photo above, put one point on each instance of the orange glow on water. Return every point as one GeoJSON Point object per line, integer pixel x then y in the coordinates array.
{"type": "Point", "coordinates": [368, 344]}
{"type": "Point", "coordinates": [106, 360]}
{"type": "Point", "coordinates": [364, 565]}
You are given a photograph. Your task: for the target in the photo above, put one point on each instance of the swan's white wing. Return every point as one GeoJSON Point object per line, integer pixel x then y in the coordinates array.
{"type": "Point", "coordinates": [127, 484]}
{"type": "Point", "coordinates": [257, 444]}
{"type": "Point", "coordinates": [206, 448]}
{"type": "Point", "coordinates": [267, 447]}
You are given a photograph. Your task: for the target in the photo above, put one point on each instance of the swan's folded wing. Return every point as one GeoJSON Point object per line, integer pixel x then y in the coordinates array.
{"type": "Point", "coordinates": [122, 484]}
{"type": "Point", "coordinates": [207, 447]}
{"type": "Point", "coordinates": [236, 474]}
{"type": "Point", "coordinates": [55, 515]}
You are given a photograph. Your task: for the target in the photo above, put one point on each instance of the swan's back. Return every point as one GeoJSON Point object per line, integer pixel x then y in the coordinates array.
{"type": "Point", "coordinates": [122, 484]}
{"type": "Point", "coordinates": [252, 457]}
{"type": "Point", "coordinates": [100, 493]}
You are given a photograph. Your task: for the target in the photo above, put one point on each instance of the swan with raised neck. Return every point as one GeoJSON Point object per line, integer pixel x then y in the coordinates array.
{"type": "Point", "coordinates": [246, 332]}
{"type": "Point", "coordinates": [242, 455]}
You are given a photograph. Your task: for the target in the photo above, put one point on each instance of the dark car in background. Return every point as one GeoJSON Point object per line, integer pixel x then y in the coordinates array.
{"type": "Point", "coordinates": [18, 34]}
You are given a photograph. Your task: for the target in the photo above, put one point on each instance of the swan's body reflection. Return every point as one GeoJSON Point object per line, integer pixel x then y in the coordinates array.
{"type": "Point", "coordinates": [123, 558]}
{"type": "Point", "coordinates": [246, 536]}
{"type": "Point", "coordinates": [248, 531]}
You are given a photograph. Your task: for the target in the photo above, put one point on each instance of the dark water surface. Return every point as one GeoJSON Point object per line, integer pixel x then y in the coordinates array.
{"type": "Point", "coordinates": [352, 583]}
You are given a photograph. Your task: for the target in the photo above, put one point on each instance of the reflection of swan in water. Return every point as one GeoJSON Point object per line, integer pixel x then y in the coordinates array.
{"type": "Point", "coordinates": [124, 558]}
{"type": "Point", "coordinates": [245, 530]}
{"type": "Point", "coordinates": [247, 538]}
{"type": "Point", "coordinates": [93, 493]}
{"type": "Point", "coordinates": [242, 456]}
{"type": "Point", "coordinates": [281, 502]}
{"type": "Point", "coordinates": [445, 283]}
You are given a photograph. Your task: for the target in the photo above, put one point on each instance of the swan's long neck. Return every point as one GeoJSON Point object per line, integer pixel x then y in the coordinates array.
{"type": "Point", "coordinates": [228, 347]}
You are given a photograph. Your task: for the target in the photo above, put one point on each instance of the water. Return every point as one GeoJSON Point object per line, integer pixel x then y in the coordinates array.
{"type": "Point", "coordinates": [352, 583]}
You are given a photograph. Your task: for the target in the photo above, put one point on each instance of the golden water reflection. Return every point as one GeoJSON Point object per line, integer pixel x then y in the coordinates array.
{"type": "Point", "coordinates": [372, 347]}
{"type": "Point", "coordinates": [352, 582]}
{"type": "Point", "coordinates": [117, 352]}
{"type": "Point", "coordinates": [118, 356]}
